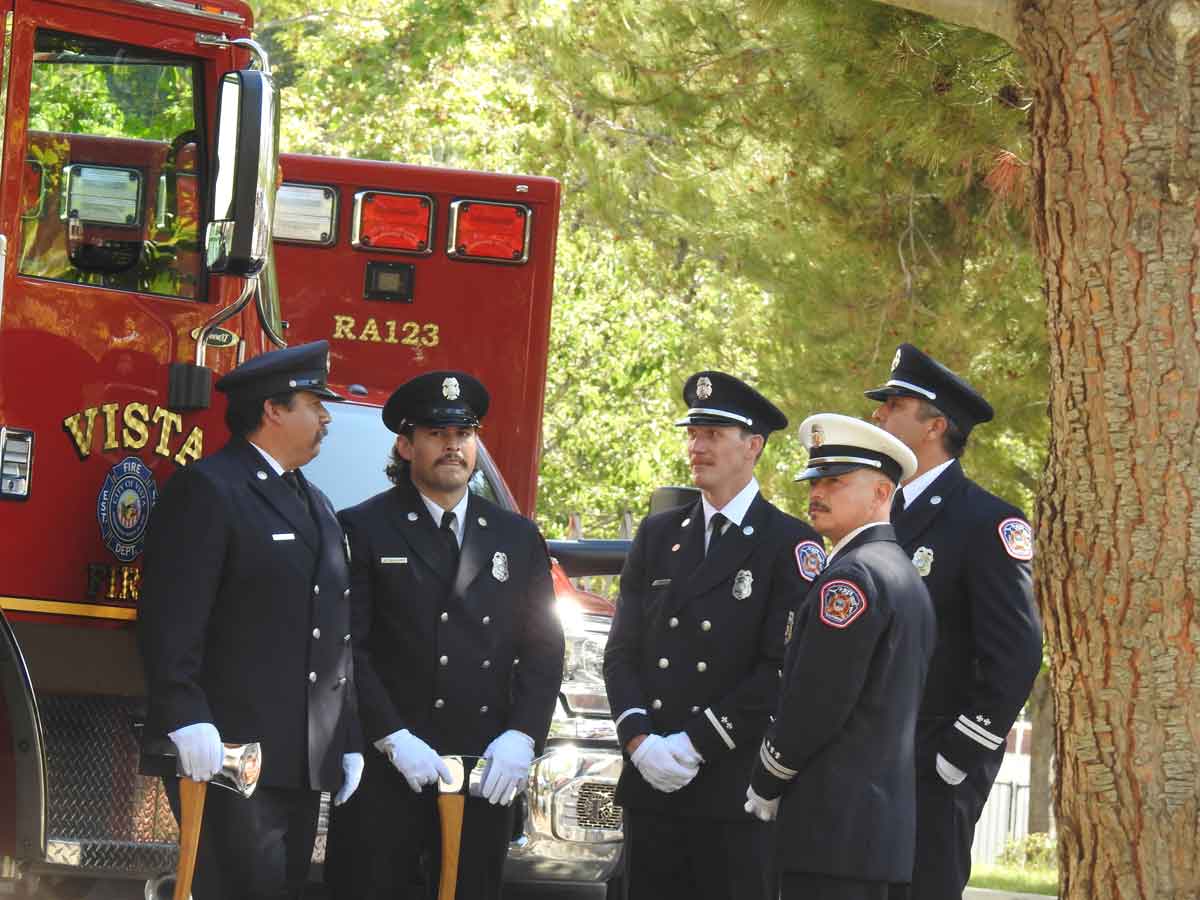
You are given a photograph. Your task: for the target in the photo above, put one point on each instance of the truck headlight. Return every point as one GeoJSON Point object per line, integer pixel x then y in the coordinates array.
{"type": "Point", "coordinates": [583, 666]}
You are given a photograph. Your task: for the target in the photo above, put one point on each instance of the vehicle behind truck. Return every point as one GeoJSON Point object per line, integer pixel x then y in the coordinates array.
{"type": "Point", "coordinates": [135, 223]}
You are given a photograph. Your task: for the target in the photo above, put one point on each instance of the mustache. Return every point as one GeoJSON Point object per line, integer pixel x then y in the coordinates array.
{"type": "Point", "coordinates": [322, 434]}
{"type": "Point", "coordinates": [817, 507]}
{"type": "Point", "coordinates": [452, 458]}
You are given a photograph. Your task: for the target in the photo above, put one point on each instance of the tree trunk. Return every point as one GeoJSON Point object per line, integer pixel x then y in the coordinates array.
{"type": "Point", "coordinates": [1041, 749]}
{"type": "Point", "coordinates": [1116, 129]}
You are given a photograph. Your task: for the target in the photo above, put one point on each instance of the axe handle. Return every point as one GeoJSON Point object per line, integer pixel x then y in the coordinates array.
{"type": "Point", "coordinates": [450, 813]}
{"type": "Point", "coordinates": [191, 815]}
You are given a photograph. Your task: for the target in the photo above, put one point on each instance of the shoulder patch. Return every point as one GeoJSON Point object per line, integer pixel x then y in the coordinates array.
{"type": "Point", "coordinates": [810, 559]}
{"type": "Point", "coordinates": [841, 603]}
{"type": "Point", "coordinates": [1017, 537]}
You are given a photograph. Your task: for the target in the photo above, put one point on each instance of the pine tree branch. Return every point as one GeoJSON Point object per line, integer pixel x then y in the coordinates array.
{"type": "Point", "coordinates": [998, 17]}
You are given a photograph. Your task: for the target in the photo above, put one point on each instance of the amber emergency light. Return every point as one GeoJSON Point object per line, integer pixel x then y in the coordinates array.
{"type": "Point", "coordinates": [495, 232]}
{"type": "Point", "coordinates": [401, 223]}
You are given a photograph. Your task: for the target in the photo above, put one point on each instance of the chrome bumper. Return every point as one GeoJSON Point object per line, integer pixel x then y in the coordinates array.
{"type": "Point", "coordinates": [572, 829]}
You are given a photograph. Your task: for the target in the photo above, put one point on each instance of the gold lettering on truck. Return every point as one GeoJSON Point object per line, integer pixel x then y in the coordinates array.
{"type": "Point", "coordinates": [386, 331]}
{"type": "Point", "coordinates": [131, 428]}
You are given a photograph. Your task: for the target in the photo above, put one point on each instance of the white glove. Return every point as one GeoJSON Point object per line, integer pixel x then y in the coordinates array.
{"type": "Point", "coordinates": [948, 771]}
{"type": "Point", "coordinates": [684, 751]}
{"type": "Point", "coordinates": [766, 810]}
{"type": "Point", "coordinates": [200, 750]}
{"type": "Point", "coordinates": [659, 766]}
{"type": "Point", "coordinates": [509, 757]}
{"type": "Point", "coordinates": [414, 759]}
{"type": "Point", "coordinates": [352, 766]}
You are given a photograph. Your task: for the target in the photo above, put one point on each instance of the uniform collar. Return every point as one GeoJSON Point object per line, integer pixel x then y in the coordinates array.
{"type": "Point", "coordinates": [271, 461]}
{"type": "Point", "coordinates": [735, 510]}
{"type": "Point", "coordinates": [841, 545]}
{"type": "Point", "coordinates": [914, 488]}
{"type": "Point", "coordinates": [460, 512]}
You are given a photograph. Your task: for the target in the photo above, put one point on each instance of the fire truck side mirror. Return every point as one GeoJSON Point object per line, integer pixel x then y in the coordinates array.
{"type": "Point", "coordinates": [244, 174]}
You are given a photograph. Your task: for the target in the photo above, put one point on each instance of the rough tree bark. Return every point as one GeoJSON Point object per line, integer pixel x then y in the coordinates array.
{"type": "Point", "coordinates": [1116, 218]}
{"type": "Point", "coordinates": [1041, 752]}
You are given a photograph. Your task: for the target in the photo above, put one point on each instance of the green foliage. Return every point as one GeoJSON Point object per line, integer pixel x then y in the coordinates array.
{"type": "Point", "coordinates": [1034, 851]}
{"type": "Point", "coordinates": [784, 190]}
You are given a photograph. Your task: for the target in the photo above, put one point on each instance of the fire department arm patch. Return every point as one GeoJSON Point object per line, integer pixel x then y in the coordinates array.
{"type": "Point", "coordinates": [1017, 537]}
{"type": "Point", "coordinates": [841, 603]}
{"type": "Point", "coordinates": [810, 559]}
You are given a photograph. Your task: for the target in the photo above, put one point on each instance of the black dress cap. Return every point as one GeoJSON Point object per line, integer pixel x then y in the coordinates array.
{"type": "Point", "coordinates": [304, 367]}
{"type": "Point", "coordinates": [437, 399]}
{"type": "Point", "coordinates": [714, 398]}
{"type": "Point", "coordinates": [914, 374]}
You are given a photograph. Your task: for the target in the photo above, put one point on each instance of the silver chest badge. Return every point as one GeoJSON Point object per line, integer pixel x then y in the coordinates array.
{"type": "Point", "coordinates": [500, 566]}
{"type": "Point", "coordinates": [923, 560]}
{"type": "Point", "coordinates": [743, 584]}
{"type": "Point", "coordinates": [703, 387]}
{"type": "Point", "coordinates": [450, 388]}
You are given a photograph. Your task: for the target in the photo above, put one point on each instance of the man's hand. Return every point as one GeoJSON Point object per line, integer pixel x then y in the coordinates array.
{"type": "Point", "coordinates": [766, 810]}
{"type": "Point", "coordinates": [509, 757]}
{"type": "Point", "coordinates": [352, 768]}
{"type": "Point", "coordinates": [659, 767]}
{"type": "Point", "coordinates": [414, 759]}
{"type": "Point", "coordinates": [200, 750]}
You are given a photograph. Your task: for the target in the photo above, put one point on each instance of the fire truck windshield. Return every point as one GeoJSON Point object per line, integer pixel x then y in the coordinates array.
{"type": "Point", "coordinates": [350, 466]}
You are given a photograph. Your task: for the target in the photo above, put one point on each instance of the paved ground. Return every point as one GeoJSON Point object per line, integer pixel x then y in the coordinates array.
{"type": "Point", "coordinates": [119, 890]}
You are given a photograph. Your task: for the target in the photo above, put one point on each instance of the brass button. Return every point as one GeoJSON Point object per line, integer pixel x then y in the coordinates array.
{"type": "Point", "coordinates": [439, 703]}
{"type": "Point", "coordinates": [316, 634]}
{"type": "Point", "coordinates": [316, 589]}
{"type": "Point", "coordinates": [695, 709]}
{"type": "Point", "coordinates": [487, 620]}
{"type": "Point", "coordinates": [346, 593]}
{"type": "Point", "coordinates": [673, 622]}
{"type": "Point", "coordinates": [706, 625]}
{"type": "Point", "coordinates": [444, 660]}
{"type": "Point", "coordinates": [312, 677]}
{"type": "Point", "coordinates": [487, 663]}
{"type": "Point", "coordinates": [702, 666]}
{"type": "Point", "coordinates": [483, 710]}
{"type": "Point", "coordinates": [663, 662]}
{"type": "Point", "coordinates": [657, 704]}
{"type": "Point", "coordinates": [341, 681]}
{"type": "Point", "coordinates": [445, 617]}
{"type": "Point", "coordinates": [346, 639]}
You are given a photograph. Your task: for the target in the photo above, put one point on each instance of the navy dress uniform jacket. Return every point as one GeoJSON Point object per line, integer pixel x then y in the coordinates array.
{"type": "Point", "coordinates": [455, 656]}
{"type": "Point", "coordinates": [244, 617]}
{"type": "Point", "coordinates": [840, 752]}
{"type": "Point", "coordinates": [989, 646]}
{"type": "Point", "coordinates": [697, 643]}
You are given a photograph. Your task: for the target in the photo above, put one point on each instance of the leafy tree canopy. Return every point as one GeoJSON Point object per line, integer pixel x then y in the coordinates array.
{"type": "Point", "coordinates": [783, 190]}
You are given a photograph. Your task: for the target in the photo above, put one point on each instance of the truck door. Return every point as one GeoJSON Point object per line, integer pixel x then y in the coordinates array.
{"type": "Point", "coordinates": [107, 110]}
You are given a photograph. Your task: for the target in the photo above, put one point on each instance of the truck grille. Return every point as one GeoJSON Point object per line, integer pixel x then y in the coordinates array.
{"type": "Point", "coordinates": [596, 808]}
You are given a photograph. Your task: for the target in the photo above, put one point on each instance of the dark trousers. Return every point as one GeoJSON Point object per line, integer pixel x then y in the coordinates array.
{"type": "Point", "coordinates": [803, 886]}
{"type": "Point", "coordinates": [697, 859]}
{"type": "Point", "coordinates": [946, 817]}
{"type": "Point", "coordinates": [385, 842]}
{"type": "Point", "coordinates": [256, 848]}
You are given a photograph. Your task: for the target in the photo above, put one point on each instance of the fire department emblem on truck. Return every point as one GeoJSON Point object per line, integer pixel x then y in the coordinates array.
{"type": "Point", "coordinates": [123, 507]}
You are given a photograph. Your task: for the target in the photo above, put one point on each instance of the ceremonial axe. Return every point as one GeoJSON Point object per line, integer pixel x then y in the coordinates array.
{"type": "Point", "coordinates": [240, 768]}
{"type": "Point", "coordinates": [466, 776]}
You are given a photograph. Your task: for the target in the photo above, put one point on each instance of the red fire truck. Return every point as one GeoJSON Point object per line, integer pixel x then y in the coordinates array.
{"type": "Point", "coordinates": [139, 174]}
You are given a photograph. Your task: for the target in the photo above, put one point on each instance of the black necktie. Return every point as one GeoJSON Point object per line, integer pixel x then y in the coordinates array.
{"type": "Point", "coordinates": [293, 481]}
{"type": "Point", "coordinates": [717, 523]}
{"type": "Point", "coordinates": [898, 504]}
{"type": "Point", "coordinates": [448, 534]}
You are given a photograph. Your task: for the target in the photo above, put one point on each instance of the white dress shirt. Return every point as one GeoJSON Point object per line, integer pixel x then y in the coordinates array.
{"type": "Point", "coordinates": [271, 461]}
{"type": "Point", "coordinates": [735, 510]}
{"type": "Point", "coordinates": [917, 486]}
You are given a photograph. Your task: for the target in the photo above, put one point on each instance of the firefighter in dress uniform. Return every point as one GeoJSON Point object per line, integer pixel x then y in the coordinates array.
{"type": "Point", "coordinates": [836, 766]}
{"type": "Point", "coordinates": [973, 551]}
{"type": "Point", "coordinates": [244, 628]}
{"type": "Point", "coordinates": [457, 646]}
{"type": "Point", "coordinates": [692, 661]}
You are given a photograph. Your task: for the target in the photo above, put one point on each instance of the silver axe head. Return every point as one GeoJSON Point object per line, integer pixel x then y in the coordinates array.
{"type": "Point", "coordinates": [241, 765]}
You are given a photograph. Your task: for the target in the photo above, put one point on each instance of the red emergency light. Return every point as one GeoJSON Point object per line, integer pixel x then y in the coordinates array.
{"type": "Point", "coordinates": [495, 232]}
{"type": "Point", "coordinates": [401, 223]}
